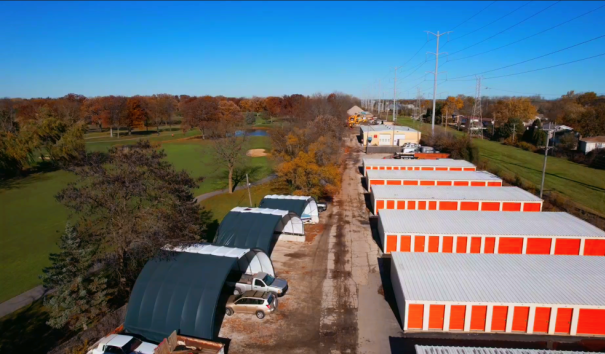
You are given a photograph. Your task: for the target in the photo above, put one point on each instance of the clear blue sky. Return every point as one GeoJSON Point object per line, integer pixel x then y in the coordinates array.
{"type": "Point", "coordinates": [248, 48]}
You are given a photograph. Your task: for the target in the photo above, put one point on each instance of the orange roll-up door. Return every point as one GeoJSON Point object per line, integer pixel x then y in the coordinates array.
{"type": "Point", "coordinates": [470, 169]}
{"type": "Point", "coordinates": [494, 184]}
{"type": "Point", "coordinates": [490, 245]}
{"type": "Point", "coordinates": [538, 246]}
{"type": "Point", "coordinates": [428, 169]}
{"type": "Point", "coordinates": [591, 321]}
{"type": "Point", "coordinates": [510, 245]}
{"type": "Point", "coordinates": [567, 247]}
{"type": "Point", "coordinates": [461, 183]}
{"type": "Point", "coordinates": [475, 244]}
{"type": "Point", "coordinates": [499, 315]}
{"type": "Point", "coordinates": [594, 247]}
{"type": "Point", "coordinates": [401, 204]}
{"type": "Point", "coordinates": [390, 204]}
{"type": "Point", "coordinates": [461, 244]}
{"type": "Point", "coordinates": [422, 205]}
{"type": "Point", "coordinates": [448, 205]}
{"type": "Point", "coordinates": [391, 243]}
{"type": "Point", "coordinates": [416, 168]}
{"type": "Point", "coordinates": [393, 182]}
{"type": "Point", "coordinates": [396, 168]}
{"type": "Point", "coordinates": [528, 207]}
{"type": "Point", "coordinates": [376, 182]}
{"type": "Point", "coordinates": [448, 244]}
{"type": "Point", "coordinates": [469, 205]}
{"type": "Point", "coordinates": [436, 313]}
{"type": "Point", "coordinates": [427, 183]}
{"type": "Point", "coordinates": [415, 316]}
{"type": "Point", "coordinates": [511, 206]}
{"type": "Point", "coordinates": [477, 184]}
{"type": "Point", "coordinates": [542, 319]}
{"type": "Point", "coordinates": [457, 314]}
{"type": "Point", "coordinates": [563, 321]}
{"type": "Point", "coordinates": [455, 168]}
{"type": "Point", "coordinates": [444, 183]}
{"type": "Point", "coordinates": [433, 244]}
{"type": "Point", "coordinates": [419, 244]}
{"type": "Point", "coordinates": [379, 205]}
{"type": "Point", "coordinates": [410, 183]}
{"type": "Point", "coordinates": [389, 168]}
{"type": "Point", "coordinates": [411, 205]}
{"type": "Point", "coordinates": [440, 168]}
{"type": "Point", "coordinates": [478, 318]}
{"type": "Point", "coordinates": [432, 205]}
{"type": "Point", "coordinates": [490, 206]}
{"type": "Point", "coordinates": [382, 167]}
{"type": "Point", "coordinates": [520, 316]}
{"type": "Point", "coordinates": [406, 244]}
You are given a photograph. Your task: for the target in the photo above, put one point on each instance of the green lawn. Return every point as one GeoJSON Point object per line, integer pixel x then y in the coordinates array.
{"type": "Point", "coordinates": [221, 204]}
{"type": "Point", "coordinates": [583, 185]}
{"type": "Point", "coordinates": [31, 220]}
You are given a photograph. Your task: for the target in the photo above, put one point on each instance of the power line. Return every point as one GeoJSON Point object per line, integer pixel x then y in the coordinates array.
{"type": "Point", "coordinates": [528, 60]}
{"type": "Point", "coordinates": [539, 69]}
{"type": "Point", "coordinates": [491, 23]}
{"type": "Point", "coordinates": [506, 29]}
{"type": "Point", "coordinates": [470, 18]}
{"type": "Point", "coordinates": [523, 93]}
{"type": "Point", "coordinates": [522, 39]}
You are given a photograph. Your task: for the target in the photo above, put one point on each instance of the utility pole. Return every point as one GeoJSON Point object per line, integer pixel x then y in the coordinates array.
{"type": "Point", "coordinates": [249, 195]}
{"type": "Point", "coordinates": [514, 131]}
{"type": "Point", "coordinates": [546, 157]}
{"type": "Point", "coordinates": [436, 72]}
{"type": "Point", "coordinates": [395, 96]}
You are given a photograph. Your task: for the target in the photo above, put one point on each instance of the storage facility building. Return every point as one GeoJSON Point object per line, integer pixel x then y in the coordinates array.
{"type": "Point", "coordinates": [453, 198]}
{"type": "Point", "coordinates": [388, 135]}
{"type": "Point", "coordinates": [546, 233]}
{"type": "Point", "coordinates": [417, 165]}
{"type": "Point", "coordinates": [433, 178]}
{"type": "Point", "coordinates": [500, 293]}
{"type": "Point", "coordinates": [426, 349]}
{"type": "Point", "coordinates": [303, 206]}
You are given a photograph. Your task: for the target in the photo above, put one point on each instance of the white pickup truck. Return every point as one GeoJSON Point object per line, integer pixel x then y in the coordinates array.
{"type": "Point", "coordinates": [121, 344]}
{"type": "Point", "coordinates": [260, 282]}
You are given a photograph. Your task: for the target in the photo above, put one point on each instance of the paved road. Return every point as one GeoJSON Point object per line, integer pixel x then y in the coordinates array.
{"type": "Point", "coordinates": [22, 300]}
{"type": "Point", "coordinates": [205, 196]}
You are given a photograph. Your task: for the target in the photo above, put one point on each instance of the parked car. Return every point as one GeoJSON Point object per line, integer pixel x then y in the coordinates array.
{"type": "Point", "coordinates": [257, 302]}
{"type": "Point", "coordinates": [321, 207]}
{"type": "Point", "coordinates": [262, 282]}
{"type": "Point", "coordinates": [122, 344]}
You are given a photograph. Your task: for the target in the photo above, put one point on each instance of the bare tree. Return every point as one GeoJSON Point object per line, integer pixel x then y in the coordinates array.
{"type": "Point", "coordinates": [229, 151]}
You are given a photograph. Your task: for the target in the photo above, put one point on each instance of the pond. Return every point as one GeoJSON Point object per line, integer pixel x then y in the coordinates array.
{"type": "Point", "coordinates": [252, 132]}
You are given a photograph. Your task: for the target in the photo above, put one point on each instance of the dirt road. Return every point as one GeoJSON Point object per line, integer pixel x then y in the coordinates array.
{"type": "Point", "coordinates": [335, 303]}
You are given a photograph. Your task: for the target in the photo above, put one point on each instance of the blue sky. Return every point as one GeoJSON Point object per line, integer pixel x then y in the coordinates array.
{"type": "Point", "coordinates": [249, 48]}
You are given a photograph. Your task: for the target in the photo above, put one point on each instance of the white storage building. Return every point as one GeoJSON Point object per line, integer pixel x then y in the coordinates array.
{"type": "Point", "coordinates": [426, 349]}
{"type": "Point", "coordinates": [417, 165]}
{"type": "Point", "coordinates": [500, 293]}
{"type": "Point", "coordinates": [433, 178]}
{"type": "Point", "coordinates": [547, 233]}
{"type": "Point", "coordinates": [453, 198]}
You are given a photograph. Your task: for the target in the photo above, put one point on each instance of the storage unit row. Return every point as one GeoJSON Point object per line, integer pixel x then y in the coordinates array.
{"type": "Point", "coordinates": [433, 178]}
{"type": "Point", "coordinates": [426, 349]}
{"type": "Point", "coordinates": [553, 233]}
{"type": "Point", "coordinates": [500, 293]}
{"type": "Point", "coordinates": [453, 198]}
{"type": "Point", "coordinates": [417, 165]}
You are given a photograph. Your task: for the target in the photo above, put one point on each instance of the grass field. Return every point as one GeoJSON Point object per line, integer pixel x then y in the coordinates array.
{"type": "Point", "coordinates": [31, 220]}
{"type": "Point", "coordinates": [221, 204]}
{"type": "Point", "coordinates": [583, 185]}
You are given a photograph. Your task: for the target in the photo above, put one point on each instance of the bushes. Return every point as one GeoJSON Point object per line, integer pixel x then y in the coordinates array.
{"type": "Point", "coordinates": [458, 148]}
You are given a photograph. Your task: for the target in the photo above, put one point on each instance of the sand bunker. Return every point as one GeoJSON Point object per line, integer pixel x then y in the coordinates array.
{"type": "Point", "coordinates": [256, 153]}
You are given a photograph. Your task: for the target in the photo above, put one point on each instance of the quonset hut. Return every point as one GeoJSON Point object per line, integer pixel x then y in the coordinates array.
{"type": "Point", "coordinates": [305, 207]}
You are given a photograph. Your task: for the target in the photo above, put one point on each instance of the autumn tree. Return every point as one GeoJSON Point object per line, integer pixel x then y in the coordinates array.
{"type": "Point", "coordinates": [8, 114]}
{"type": "Point", "coordinates": [114, 108]}
{"type": "Point", "coordinates": [515, 107]}
{"type": "Point", "coordinates": [127, 204]}
{"type": "Point", "coordinates": [69, 108]}
{"type": "Point", "coordinates": [452, 105]}
{"type": "Point", "coordinates": [274, 106]}
{"type": "Point", "coordinates": [229, 117]}
{"type": "Point", "coordinates": [201, 113]}
{"type": "Point", "coordinates": [136, 113]}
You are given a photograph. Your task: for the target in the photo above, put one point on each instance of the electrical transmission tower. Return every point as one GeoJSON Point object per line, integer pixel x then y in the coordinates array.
{"type": "Point", "coordinates": [395, 96]}
{"type": "Point", "coordinates": [419, 100]}
{"type": "Point", "coordinates": [475, 129]}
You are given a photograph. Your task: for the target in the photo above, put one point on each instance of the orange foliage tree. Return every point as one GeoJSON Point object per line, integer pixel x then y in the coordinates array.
{"type": "Point", "coordinates": [136, 114]}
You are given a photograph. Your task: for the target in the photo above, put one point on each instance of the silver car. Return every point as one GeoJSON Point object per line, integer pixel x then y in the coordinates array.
{"type": "Point", "coordinates": [256, 302]}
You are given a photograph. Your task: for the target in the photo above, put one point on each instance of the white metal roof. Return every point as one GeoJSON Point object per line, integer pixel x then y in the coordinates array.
{"type": "Point", "coordinates": [296, 197]}
{"type": "Point", "coordinates": [383, 128]}
{"type": "Point", "coordinates": [118, 340]}
{"type": "Point", "coordinates": [501, 278]}
{"type": "Point", "coordinates": [261, 211]}
{"type": "Point", "coordinates": [453, 193]}
{"type": "Point", "coordinates": [425, 349]}
{"type": "Point", "coordinates": [417, 162]}
{"type": "Point", "coordinates": [478, 223]}
{"type": "Point", "coordinates": [206, 248]}
{"type": "Point", "coordinates": [434, 175]}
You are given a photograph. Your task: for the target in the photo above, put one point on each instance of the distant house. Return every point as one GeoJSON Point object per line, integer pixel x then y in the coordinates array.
{"type": "Point", "coordinates": [356, 110]}
{"type": "Point", "coordinates": [592, 143]}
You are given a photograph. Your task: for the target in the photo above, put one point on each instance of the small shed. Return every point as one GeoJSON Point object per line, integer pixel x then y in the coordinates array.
{"type": "Point", "coordinates": [453, 198]}
{"type": "Point", "coordinates": [546, 233]}
{"type": "Point", "coordinates": [259, 228]}
{"type": "Point", "coordinates": [592, 143]}
{"type": "Point", "coordinates": [417, 165]}
{"type": "Point", "coordinates": [509, 294]}
{"type": "Point", "coordinates": [432, 178]}
{"type": "Point", "coordinates": [303, 206]}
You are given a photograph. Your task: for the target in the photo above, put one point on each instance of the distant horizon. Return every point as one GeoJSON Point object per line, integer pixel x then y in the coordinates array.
{"type": "Point", "coordinates": [245, 49]}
